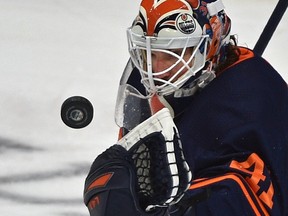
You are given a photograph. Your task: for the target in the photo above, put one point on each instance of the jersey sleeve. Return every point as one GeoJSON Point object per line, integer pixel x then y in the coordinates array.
{"type": "Point", "coordinates": [235, 141]}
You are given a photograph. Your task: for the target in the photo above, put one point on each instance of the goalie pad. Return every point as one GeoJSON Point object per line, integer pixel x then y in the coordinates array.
{"type": "Point", "coordinates": [156, 151]}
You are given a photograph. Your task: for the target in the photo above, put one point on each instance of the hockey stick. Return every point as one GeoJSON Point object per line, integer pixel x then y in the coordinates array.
{"type": "Point", "coordinates": [270, 27]}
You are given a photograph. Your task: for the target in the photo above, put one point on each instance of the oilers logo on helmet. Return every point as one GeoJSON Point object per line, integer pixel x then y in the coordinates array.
{"type": "Point", "coordinates": [185, 23]}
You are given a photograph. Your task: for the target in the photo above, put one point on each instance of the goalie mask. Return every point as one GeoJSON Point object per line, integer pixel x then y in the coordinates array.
{"type": "Point", "coordinates": [171, 41]}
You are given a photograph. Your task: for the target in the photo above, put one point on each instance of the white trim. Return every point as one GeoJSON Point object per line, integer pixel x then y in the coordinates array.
{"type": "Point", "coordinates": [215, 7]}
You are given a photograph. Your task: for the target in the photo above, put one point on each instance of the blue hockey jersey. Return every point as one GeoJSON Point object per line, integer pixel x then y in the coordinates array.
{"type": "Point", "coordinates": [235, 138]}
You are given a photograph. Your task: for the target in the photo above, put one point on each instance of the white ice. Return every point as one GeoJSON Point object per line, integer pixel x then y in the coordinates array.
{"type": "Point", "coordinates": [53, 49]}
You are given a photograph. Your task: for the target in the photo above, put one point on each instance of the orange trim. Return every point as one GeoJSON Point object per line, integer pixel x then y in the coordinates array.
{"type": "Point", "coordinates": [266, 196]}
{"type": "Point", "coordinates": [154, 11]}
{"type": "Point", "coordinates": [94, 202]}
{"type": "Point", "coordinates": [244, 55]}
{"type": "Point", "coordinates": [120, 133]}
{"type": "Point", "coordinates": [155, 104]}
{"type": "Point", "coordinates": [101, 181]}
{"type": "Point", "coordinates": [255, 176]}
{"type": "Point", "coordinates": [194, 3]}
{"type": "Point", "coordinates": [242, 186]}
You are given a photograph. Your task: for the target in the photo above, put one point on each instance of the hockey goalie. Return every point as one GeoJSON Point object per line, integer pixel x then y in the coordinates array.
{"type": "Point", "coordinates": [203, 122]}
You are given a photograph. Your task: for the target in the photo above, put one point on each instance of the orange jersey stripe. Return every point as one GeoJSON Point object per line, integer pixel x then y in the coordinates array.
{"type": "Point", "coordinates": [241, 185]}
{"type": "Point", "coordinates": [100, 181]}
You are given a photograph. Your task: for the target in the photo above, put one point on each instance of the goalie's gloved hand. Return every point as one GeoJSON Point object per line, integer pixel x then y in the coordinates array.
{"type": "Point", "coordinates": [163, 175]}
{"type": "Point", "coordinates": [110, 186]}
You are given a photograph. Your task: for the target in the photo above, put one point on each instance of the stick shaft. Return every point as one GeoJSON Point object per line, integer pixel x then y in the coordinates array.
{"type": "Point", "coordinates": [271, 26]}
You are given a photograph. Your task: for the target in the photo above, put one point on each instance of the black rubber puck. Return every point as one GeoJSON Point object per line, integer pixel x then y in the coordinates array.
{"type": "Point", "coordinates": [77, 112]}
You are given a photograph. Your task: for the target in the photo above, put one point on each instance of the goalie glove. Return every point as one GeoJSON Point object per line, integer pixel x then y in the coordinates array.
{"type": "Point", "coordinates": [110, 186]}
{"type": "Point", "coordinates": [156, 151]}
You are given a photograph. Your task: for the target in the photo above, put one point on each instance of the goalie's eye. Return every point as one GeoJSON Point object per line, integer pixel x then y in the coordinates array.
{"type": "Point", "coordinates": [170, 64]}
{"type": "Point", "coordinates": [166, 56]}
{"type": "Point", "coordinates": [164, 60]}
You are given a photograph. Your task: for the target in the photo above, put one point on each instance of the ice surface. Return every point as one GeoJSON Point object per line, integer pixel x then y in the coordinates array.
{"type": "Point", "coordinates": [53, 49]}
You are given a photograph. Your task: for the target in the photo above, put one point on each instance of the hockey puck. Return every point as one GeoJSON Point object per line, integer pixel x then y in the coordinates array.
{"type": "Point", "coordinates": [77, 112]}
